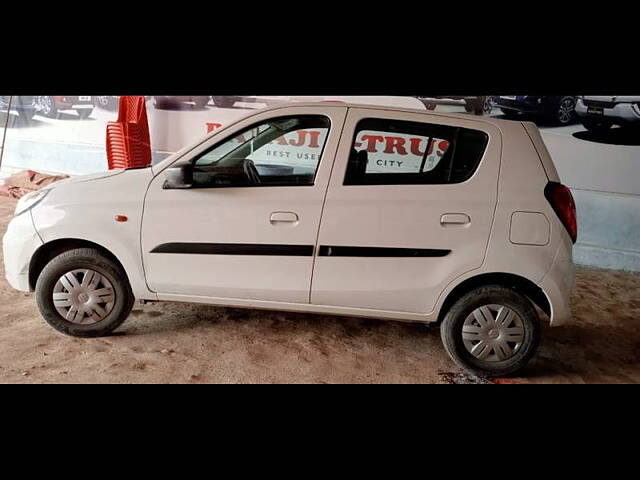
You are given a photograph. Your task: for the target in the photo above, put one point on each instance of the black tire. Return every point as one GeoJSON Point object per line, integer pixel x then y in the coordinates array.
{"type": "Point", "coordinates": [78, 259]}
{"type": "Point", "coordinates": [451, 330]}
{"type": "Point", "coordinates": [487, 105]}
{"type": "Point", "coordinates": [508, 113]}
{"type": "Point", "coordinates": [84, 113]}
{"type": "Point", "coordinates": [564, 111]}
{"type": "Point", "coordinates": [224, 102]}
{"type": "Point", "coordinates": [596, 126]}
{"type": "Point", "coordinates": [200, 102]}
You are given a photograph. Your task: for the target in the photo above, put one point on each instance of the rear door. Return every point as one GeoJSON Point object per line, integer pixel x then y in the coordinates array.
{"type": "Point", "coordinates": [409, 208]}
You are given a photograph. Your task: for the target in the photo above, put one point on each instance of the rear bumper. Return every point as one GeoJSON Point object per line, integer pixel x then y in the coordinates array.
{"type": "Point", "coordinates": [19, 244]}
{"type": "Point", "coordinates": [558, 283]}
{"type": "Point", "coordinates": [617, 113]}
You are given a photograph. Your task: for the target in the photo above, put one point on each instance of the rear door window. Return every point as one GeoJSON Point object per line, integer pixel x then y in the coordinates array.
{"type": "Point", "coordinates": [388, 152]}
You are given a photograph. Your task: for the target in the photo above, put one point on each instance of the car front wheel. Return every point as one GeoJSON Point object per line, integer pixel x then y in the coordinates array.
{"type": "Point", "coordinates": [491, 331]}
{"type": "Point", "coordinates": [83, 293]}
{"type": "Point", "coordinates": [566, 111]}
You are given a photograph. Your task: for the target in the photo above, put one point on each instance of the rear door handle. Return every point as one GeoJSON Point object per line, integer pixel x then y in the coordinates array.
{"type": "Point", "coordinates": [283, 217]}
{"type": "Point", "coordinates": [455, 219]}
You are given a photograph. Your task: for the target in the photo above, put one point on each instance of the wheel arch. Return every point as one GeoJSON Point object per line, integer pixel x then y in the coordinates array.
{"type": "Point", "coordinates": [518, 283]}
{"type": "Point", "coordinates": [50, 250]}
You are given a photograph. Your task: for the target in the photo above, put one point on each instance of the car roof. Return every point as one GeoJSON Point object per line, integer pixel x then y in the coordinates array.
{"type": "Point", "coordinates": [462, 116]}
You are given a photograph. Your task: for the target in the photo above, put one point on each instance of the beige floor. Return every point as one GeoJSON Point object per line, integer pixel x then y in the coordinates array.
{"type": "Point", "coordinates": [184, 343]}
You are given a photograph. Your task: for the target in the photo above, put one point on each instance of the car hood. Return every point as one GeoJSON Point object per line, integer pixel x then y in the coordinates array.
{"type": "Point", "coordinates": [87, 178]}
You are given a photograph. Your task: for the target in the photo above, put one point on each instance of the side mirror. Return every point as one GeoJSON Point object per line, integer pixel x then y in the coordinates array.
{"type": "Point", "coordinates": [178, 176]}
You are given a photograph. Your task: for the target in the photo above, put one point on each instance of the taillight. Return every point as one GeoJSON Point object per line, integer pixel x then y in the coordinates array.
{"type": "Point", "coordinates": [561, 200]}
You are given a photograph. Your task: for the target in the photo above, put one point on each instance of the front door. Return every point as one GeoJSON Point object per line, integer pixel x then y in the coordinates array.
{"type": "Point", "coordinates": [248, 227]}
{"type": "Point", "coordinates": [409, 208]}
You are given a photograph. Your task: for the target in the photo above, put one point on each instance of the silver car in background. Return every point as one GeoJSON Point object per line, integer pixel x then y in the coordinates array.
{"type": "Point", "coordinates": [600, 113]}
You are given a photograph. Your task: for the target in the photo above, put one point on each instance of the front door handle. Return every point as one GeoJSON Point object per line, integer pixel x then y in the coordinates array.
{"type": "Point", "coordinates": [283, 217]}
{"type": "Point", "coordinates": [455, 219]}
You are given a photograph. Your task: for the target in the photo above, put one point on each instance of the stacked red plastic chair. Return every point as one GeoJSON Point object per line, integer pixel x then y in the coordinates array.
{"type": "Point", "coordinates": [128, 141]}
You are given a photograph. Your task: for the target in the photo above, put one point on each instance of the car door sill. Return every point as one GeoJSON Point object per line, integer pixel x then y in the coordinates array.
{"type": "Point", "coordinates": [299, 307]}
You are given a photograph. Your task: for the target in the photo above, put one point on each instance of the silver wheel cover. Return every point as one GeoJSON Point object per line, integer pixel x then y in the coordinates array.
{"type": "Point", "coordinates": [83, 297]}
{"type": "Point", "coordinates": [493, 333]}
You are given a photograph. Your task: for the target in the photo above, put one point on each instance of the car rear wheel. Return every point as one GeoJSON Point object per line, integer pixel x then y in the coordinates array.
{"type": "Point", "coordinates": [565, 111]}
{"type": "Point", "coordinates": [83, 293]}
{"type": "Point", "coordinates": [487, 105]}
{"type": "Point", "coordinates": [491, 331]}
{"type": "Point", "coordinates": [596, 126]}
{"type": "Point", "coordinates": [84, 113]}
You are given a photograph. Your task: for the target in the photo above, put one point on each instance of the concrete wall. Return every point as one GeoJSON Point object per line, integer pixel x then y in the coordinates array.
{"type": "Point", "coordinates": [605, 180]}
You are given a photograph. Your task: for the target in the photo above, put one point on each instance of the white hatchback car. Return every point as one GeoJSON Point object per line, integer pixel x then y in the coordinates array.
{"type": "Point", "coordinates": [331, 208]}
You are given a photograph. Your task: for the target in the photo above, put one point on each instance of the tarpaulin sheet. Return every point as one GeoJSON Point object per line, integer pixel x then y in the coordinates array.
{"type": "Point", "coordinates": [27, 181]}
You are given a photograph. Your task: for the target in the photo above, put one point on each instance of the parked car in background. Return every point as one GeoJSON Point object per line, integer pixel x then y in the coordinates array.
{"type": "Point", "coordinates": [252, 212]}
{"type": "Point", "coordinates": [558, 110]}
{"type": "Point", "coordinates": [50, 106]}
{"type": "Point", "coordinates": [601, 113]}
{"type": "Point", "coordinates": [25, 106]}
{"type": "Point", "coordinates": [111, 102]}
{"type": "Point", "coordinates": [477, 105]}
{"type": "Point", "coordinates": [170, 102]}
{"type": "Point", "coordinates": [108, 102]}
{"type": "Point", "coordinates": [225, 101]}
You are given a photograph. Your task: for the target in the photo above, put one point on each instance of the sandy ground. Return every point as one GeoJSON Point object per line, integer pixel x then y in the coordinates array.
{"type": "Point", "coordinates": [195, 344]}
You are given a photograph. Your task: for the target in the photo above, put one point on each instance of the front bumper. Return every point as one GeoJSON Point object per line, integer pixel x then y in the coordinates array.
{"type": "Point", "coordinates": [19, 244]}
{"type": "Point", "coordinates": [616, 113]}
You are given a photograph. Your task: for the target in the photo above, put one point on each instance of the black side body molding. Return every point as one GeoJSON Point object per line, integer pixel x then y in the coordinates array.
{"type": "Point", "coordinates": [235, 249]}
{"type": "Point", "coordinates": [340, 251]}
